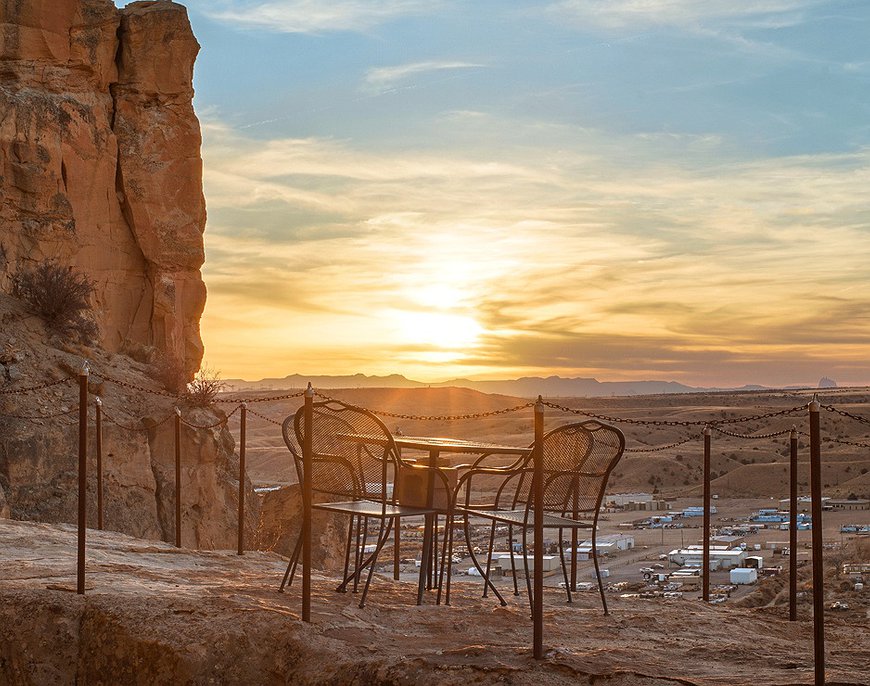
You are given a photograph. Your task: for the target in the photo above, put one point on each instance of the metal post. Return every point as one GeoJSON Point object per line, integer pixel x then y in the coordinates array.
{"type": "Point", "coordinates": [792, 528]}
{"type": "Point", "coordinates": [706, 541]}
{"type": "Point", "coordinates": [99, 429]}
{"type": "Point", "coordinates": [818, 571]}
{"type": "Point", "coordinates": [307, 449]}
{"type": "Point", "coordinates": [243, 425]}
{"type": "Point", "coordinates": [177, 478]}
{"type": "Point", "coordinates": [83, 476]}
{"type": "Point", "coordinates": [538, 502]}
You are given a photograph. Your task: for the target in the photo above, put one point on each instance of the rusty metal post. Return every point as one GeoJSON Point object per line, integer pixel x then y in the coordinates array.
{"type": "Point", "coordinates": [243, 425]}
{"type": "Point", "coordinates": [818, 569]}
{"type": "Point", "coordinates": [307, 449]}
{"type": "Point", "coordinates": [706, 542]}
{"type": "Point", "coordinates": [99, 430]}
{"type": "Point", "coordinates": [177, 478]}
{"type": "Point", "coordinates": [538, 502]}
{"type": "Point", "coordinates": [83, 477]}
{"type": "Point", "coordinates": [792, 528]}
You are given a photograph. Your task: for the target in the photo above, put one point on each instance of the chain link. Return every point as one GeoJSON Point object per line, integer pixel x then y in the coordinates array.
{"type": "Point", "coordinates": [220, 422]}
{"type": "Point", "coordinates": [134, 387]}
{"type": "Point", "coordinates": [831, 408]}
{"type": "Point", "coordinates": [141, 429]}
{"type": "Point", "coordinates": [264, 417]}
{"type": "Point", "coordinates": [269, 399]}
{"type": "Point", "coordinates": [772, 434]}
{"type": "Point", "coordinates": [839, 440]}
{"type": "Point", "coordinates": [28, 389]}
{"type": "Point", "coordinates": [665, 422]}
{"type": "Point", "coordinates": [659, 448]}
{"type": "Point", "coordinates": [431, 418]}
{"type": "Point", "coordinates": [64, 413]}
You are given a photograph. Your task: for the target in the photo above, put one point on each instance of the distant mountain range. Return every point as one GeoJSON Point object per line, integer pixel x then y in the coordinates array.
{"type": "Point", "coordinates": [525, 387]}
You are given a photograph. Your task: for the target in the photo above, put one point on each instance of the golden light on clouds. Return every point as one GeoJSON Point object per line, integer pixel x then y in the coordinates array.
{"type": "Point", "coordinates": [325, 258]}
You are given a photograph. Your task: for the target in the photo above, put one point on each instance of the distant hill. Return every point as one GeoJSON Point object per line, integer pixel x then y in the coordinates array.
{"type": "Point", "coordinates": [525, 387]}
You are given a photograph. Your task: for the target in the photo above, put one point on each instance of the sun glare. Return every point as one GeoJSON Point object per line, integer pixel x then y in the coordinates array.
{"type": "Point", "coordinates": [437, 329]}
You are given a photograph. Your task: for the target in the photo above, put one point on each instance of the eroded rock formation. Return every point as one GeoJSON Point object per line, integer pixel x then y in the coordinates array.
{"type": "Point", "coordinates": [100, 170]}
{"type": "Point", "coordinates": [100, 163]}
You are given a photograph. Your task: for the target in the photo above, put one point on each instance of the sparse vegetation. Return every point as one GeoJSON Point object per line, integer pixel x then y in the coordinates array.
{"type": "Point", "coordinates": [171, 373]}
{"type": "Point", "coordinates": [60, 295]}
{"type": "Point", "coordinates": [202, 391]}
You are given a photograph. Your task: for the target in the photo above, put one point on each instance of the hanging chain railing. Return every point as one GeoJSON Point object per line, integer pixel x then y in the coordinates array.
{"type": "Point", "coordinates": [668, 422]}
{"type": "Point", "coordinates": [432, 418]}
{"type": "Point", "coordinates": [30, 389]}
{"type": "Point", "coordinates": [660, 448]}
{"type": "Point", "coordinates": [772, 434]}
{"type": "Point", "coordinates": [844, 413]}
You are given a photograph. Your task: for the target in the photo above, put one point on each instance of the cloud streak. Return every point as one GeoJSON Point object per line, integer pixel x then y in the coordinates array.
{"type": "Point", "coordinates": [384, 78]}
{"type": "Point", "coordinates": [619, 14]}
{"type": "Point", "coordinates": [316, 16]}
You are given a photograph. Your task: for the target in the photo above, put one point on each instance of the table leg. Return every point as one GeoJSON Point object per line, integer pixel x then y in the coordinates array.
{"type": "Point", "coordinates": [424, 558]}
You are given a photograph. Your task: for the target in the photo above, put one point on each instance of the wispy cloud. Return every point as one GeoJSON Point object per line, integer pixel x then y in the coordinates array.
{"type": "Point", "coordinates": [383, 78]}
{"type": "Point", "coordinates": [315, 16]}
{"type": "Point", "coordinates": [682, 13]}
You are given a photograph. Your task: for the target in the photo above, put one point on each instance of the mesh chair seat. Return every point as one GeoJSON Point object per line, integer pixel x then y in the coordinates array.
{"type": "Point", "coordinates": [526, 518]}
{"type": "Point", "coordinates": [367, 508]}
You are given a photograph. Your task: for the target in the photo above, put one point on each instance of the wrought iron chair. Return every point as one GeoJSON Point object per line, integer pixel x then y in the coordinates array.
{"type": "Point", "coordinates": [577, 460]}
{"type": "Point", "coordinates": [354, 463]}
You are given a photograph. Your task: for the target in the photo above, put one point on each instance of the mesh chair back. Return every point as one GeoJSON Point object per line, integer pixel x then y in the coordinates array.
{"type": "Point", "coordinates": [289, 435]}
{"type": "Point", "coordinates": [353, 453]}
{"type": "Point", "coordinates": [578, 459]}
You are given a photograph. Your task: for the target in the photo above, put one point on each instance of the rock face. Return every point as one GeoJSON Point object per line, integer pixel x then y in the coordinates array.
{"type": "Point", "coordinates": [100, 170]}
{"type": "Point", "coordinates": [100, 163]}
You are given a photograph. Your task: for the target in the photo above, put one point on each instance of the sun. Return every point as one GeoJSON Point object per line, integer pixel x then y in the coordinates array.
{"type": "Point", "coordinates": [440, 330]}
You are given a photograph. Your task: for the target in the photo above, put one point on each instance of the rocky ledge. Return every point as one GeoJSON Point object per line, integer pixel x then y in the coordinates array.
{"type": "Point", "coordinates": [156, 614]}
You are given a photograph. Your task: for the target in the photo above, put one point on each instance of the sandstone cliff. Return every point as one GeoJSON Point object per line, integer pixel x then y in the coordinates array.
{"type": "Point", "coordinates": [100, 171]}
{"type": "Point", "coordinates": [100, 164]}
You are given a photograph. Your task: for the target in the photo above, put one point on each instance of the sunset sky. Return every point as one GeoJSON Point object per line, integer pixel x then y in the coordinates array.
{"type": "Point", "coordinates": [624, 189]}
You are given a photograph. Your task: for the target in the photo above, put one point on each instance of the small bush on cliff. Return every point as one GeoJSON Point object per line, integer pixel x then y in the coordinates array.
{"type": "Point", "coordinates": [60, 295]}
{"type": "Point", "coordinates": [203, 390]}
{"type": "Point", "coordinates": [171, 373]}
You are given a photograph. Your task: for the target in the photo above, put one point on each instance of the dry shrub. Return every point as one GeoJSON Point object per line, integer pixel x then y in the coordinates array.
{"type": "Point", "coordinates": [169, 371]}
{"type": "Point", "coordinates": [60, 295]}
{"type": "Point", "coordinates": [202, 391]}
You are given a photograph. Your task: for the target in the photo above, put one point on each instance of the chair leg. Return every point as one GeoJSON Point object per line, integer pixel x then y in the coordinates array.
{"type": "Point", "coordinates": [396, 553]}
{"type": "Point", "coordinates": [362, 538]}
{"type": "Point", "coordinates": [513, 563]}
{"type": "Point", "coordinates": [526, 569]}
{"type": "Point", "coordinates": [564, 567]}
{"type": "Point", "coordinates": [291, 565]}
{"type": "Point", "coordinates": [489, 553]}
{"type": "Point", "coordinates": [487, 583]}
{"type": "Point", "coordinates": [342, 588]}
{"type": "Point", "coordinates": [425, 560]}
{"type": "Point", "coordinates": [446, 557]}
{"type": "Point", "coordinates": [383, 535]}
{"type": "Point", "coordinates": [598, 572]}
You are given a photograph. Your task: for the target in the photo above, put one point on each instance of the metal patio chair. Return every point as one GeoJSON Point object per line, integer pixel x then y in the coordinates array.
{"type": "Point", "coordinates": [353, 468]}
{"type": "Point", "coordinates": [577, 460]}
